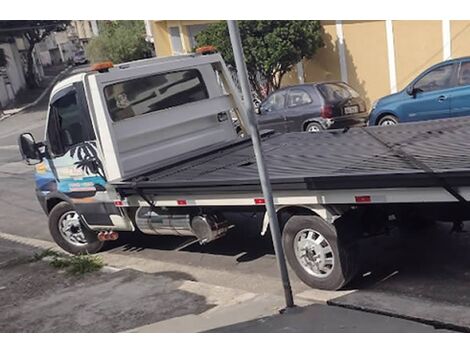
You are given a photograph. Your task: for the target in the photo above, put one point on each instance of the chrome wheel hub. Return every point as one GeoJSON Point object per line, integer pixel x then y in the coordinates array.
{"type": "Point", "coordinates": [313, 129]}
{"type": "Point", "coordinates": [71, 229]}
{"type": "Point", "coordinates": [314, 253]}
{"type": "Point", "coordinates": [388, 123]}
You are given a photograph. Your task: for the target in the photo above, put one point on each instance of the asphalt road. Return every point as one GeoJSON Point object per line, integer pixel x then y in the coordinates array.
{"type": "Point", "coordinates": [439, 261]}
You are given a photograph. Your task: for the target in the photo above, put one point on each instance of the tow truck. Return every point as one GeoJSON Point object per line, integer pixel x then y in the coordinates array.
{"type": "Point", "coordinates": [151, 146]}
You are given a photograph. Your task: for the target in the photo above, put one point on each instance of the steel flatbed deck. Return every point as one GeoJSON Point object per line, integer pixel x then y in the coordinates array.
{"type": "Point", "coordinates": [414, 155]}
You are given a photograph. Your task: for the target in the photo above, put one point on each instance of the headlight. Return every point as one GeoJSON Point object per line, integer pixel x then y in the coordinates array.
{"type": "Point", "coordinates": [374, 104]}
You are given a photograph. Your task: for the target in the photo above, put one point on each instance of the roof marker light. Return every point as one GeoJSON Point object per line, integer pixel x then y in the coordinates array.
{"type": "Point", "coordinates": [102, 66]}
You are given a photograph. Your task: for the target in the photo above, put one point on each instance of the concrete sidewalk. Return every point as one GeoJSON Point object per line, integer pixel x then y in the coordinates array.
{"type": "Point", "coordinates": [37, 298]}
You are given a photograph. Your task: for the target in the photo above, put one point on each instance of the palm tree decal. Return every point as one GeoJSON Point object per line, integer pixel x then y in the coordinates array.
{"type": "Point", "coordinates": [88, 159]}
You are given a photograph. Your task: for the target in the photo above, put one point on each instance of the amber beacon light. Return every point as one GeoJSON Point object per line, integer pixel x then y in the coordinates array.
{"type": "Point", "coordinates": [102, 66]}
{"type": "Point", "coordinates": [205, 50]}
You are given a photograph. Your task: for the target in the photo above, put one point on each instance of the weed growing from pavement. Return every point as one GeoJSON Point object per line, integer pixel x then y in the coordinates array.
{"type": "Point", "coordinates": [44, 254]}
{"type": "Point", "coordinates": [77, 265]}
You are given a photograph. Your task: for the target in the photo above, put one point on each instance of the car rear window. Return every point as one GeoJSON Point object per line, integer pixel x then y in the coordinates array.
{"type": "Point", "coordinates": [337, 91]}
{"type": "Point", "coordinates": [153, 93]}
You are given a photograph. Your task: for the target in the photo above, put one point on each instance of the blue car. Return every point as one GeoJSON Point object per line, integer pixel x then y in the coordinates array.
{"type": "Point", "coordinates": [441, 91]}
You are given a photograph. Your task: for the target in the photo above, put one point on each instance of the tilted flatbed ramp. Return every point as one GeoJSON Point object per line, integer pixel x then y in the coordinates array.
{"type": "Point", "coordinates": [426, 154]}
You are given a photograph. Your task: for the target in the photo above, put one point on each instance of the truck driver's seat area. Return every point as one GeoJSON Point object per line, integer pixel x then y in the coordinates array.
{"type": "Point", "coordinates": [73, 134]}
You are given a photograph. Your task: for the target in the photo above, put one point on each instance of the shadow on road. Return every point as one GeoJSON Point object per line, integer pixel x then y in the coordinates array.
{"type": "Point", "coordinates": [428, 263]}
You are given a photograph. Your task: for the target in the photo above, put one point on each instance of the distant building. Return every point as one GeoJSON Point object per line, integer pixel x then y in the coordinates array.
{"type": "Point", "coordinates": [85, 30]}
{"type": "Point", "coordinates": [12, 77]}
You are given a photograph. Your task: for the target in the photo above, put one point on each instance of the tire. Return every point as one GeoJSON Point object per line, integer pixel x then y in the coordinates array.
{"type": "Point", "coordinates": [388, 120]}
{"type": "Point", "coordinates": [82, 240]}
{"type": "Point", "coordinates": [335, 275]}
{"type": "Point", "coordinates": [313, 127]}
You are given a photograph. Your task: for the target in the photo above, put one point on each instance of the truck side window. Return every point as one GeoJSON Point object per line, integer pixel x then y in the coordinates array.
{"type": "Point", "coordinates": [153, 93]}
{"type": "Point", "coordinates": [65, 127]}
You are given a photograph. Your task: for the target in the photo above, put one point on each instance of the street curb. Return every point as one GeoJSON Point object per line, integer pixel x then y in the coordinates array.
{"type": "Point", "coordinates": [39, 244]}
{"type": "Point", "coordinates": [228, 305]}
{"type": "Point", "coordinates": [199, 274]}
{"type": "Point", "coordinates": [38, 99]}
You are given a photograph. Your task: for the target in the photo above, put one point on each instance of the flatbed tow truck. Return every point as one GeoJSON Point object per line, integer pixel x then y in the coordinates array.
{"type": "Point", "coordinates": [151, 146]}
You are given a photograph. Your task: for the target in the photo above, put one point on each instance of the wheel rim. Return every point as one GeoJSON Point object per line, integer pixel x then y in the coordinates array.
{"type": "Point", "coordinates": [313, 128]}
{"type": "Point", "coordinates": [314, 253]}
{"type": "Point", "coordinates": [71, 229]}
{"type": "Point", "coordinates": [388, 122]}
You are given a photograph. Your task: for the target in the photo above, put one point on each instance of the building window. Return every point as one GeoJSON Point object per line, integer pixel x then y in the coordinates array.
{"type": "Point", "coordinates": [193, 31]}
{"type": "Point", "coordinates": [176, 43]}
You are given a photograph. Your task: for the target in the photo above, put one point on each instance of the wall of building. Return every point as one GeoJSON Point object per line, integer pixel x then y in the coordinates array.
{"type": "Point", "coordinates": [365, 50]}
{"type": "Point", "coordinates": [375, 57]}
{"type": "Point", "coordinates": [418, 45]}
{"type": "Point", "coordinates": [460, 33]}
{"type": "Point", "coordinates": [14, 68]}
{"type": "Point", "coordinates": [162, 38]}
{"type": "Point", "coordinates": [12, 78]}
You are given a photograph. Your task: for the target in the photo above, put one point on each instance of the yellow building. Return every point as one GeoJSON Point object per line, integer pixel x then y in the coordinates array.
{"type": "Point", "coordinates": [375, 57]}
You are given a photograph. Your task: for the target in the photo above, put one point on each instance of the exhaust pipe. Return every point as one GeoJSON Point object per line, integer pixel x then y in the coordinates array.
{"type": "Point", "coordinates": [108, 236]}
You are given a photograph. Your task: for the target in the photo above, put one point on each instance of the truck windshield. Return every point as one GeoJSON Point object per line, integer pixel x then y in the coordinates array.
{"type": "Point", "coordinates": [152, 93]}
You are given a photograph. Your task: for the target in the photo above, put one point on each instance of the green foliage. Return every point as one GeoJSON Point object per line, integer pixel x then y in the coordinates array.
{"type": "Point", "coordinates": [271, 48]}
{"type": "Point", "coordinates": [45, 254]}
{"type": "Point", "coordinates": [77, 265]}
{"type": "Point", "coordinates": [119, 41]}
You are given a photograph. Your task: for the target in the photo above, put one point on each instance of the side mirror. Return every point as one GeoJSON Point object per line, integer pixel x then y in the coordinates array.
{"type": "Point", "coordinates": [29, 149]}
{"type": "Point", "coordinates": [410, 90]}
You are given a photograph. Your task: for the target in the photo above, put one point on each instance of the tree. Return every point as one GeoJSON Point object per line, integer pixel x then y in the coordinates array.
{"type": "Point", "coordinates": [271, 48]}
{"type": "Point", "coordinates": [34, 31]}
{"type": "Point", "coordinates": [119, 41]}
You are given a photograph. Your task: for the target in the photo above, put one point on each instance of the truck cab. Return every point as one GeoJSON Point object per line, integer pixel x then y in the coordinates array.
{"type": "Point", "coordinates": [117, 122]}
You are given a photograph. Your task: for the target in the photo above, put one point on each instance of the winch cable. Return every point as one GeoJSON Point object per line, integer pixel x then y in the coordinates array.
{"type": "Point", "coordinates": [149, 201]}
{"type": "Point", "coordinates": [396, 150]}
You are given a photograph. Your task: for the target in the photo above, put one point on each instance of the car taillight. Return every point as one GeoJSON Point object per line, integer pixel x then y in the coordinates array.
{"type": "Point", "coordinates": [326, 111]}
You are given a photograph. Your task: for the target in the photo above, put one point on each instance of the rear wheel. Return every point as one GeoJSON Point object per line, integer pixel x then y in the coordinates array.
{"type": "Point", "coordinates": [388, 120]}
{"type": "Point", "coordinates": [69, 233]}
{"type": "Point", "coordinates": [313, 127]}
{"type": "Point", "coordinates": [315, 253]}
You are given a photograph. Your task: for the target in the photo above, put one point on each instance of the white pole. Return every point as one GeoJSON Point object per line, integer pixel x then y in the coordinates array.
{"type": "Point", "coordinates": [263, 172]}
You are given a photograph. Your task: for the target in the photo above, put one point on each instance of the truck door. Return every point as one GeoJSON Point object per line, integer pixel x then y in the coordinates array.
{"type": "Point", "coordinates": [72, 165]}
{"type": "Point", "coordinates": [272, 112]}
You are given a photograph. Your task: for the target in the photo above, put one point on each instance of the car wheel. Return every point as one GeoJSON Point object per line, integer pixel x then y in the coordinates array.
{"type": "Point", "coordinates": [313, 127]}
{"type": "Point", "coordinates": [69, 233]}
{"type": "Point", "coordinates": [388, 120]}
{"type": "Point", "coordinates": [316, 254]}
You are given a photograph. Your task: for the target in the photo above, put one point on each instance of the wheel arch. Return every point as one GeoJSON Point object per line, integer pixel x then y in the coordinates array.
{"type": "Point", "coordinates": [308, 121]}
{"type": "Point", "coordinates": [383, 114]}
{"type": "Point", "coordinates": [286, 211]}
{"type": "Point", "coordinates": [55, 198]}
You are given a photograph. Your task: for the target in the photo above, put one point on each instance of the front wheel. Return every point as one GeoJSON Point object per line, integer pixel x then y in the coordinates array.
{"type": "Point", "coordinates": [388, 120]}
{"type": "Point", "coordinates": [69, 233]}
{"type": "Point", "coordinates": [315, 253]}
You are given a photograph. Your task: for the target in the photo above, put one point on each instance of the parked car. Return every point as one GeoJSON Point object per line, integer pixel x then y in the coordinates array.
{"type": "Point", "coordinates": [312, 107]}
{"type": "Point", "coordinates": [79, 58]}
{"type": "Point", "coordinates": [441, 91]}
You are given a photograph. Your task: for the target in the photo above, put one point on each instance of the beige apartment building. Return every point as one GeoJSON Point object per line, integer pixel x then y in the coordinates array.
{"type": "Point", "coordinates": [375, 57]}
